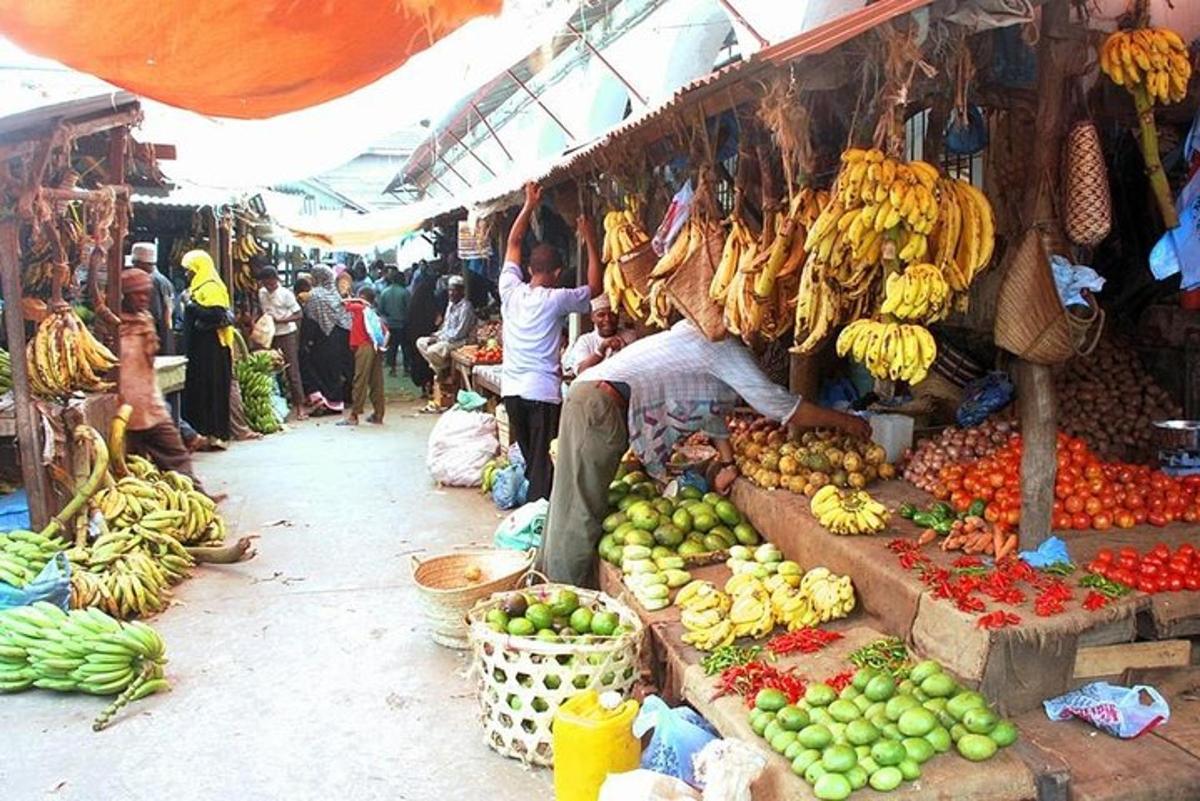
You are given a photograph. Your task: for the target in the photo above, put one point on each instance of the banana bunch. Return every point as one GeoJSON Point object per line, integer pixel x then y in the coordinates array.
{"type": "Point", "coordinates": [965, 235]}
{"type": "Point", "coordinates": [6, 381]}
{"type": "Point", "coordinates": [830, 596]}
{"type": "Point", "coordinates": [920, 293]}
{"type": "Point", "coordinates": [256, 376]}
{"type": "Point", "coordinates": [245, 248]}
{"type": "Point", "coordinates": [691, 237]}
{"type": "Point", "coordinates": [651, 580]}
{"type": "Point", "coordinates": [848, 511]}
{"type": "Point", "coordinates": [705, 615]}
{"type": "Point", "coordinates": [23, 554]}
{"type": "Point", "coordinates": [741, 246]}
{"type": "Point", "coordinates": [890, 351]}
{"type": "Point", "coordinates": [83, 650]}
{"type": "Point", "coordinates": [163, 502]}
{"type": "Point", "coordinates": [886, 193]}
{"type": "Point", "coordinates": [1155, 58]}
{"type": "Point", "coordinates": [63, 357]}
{"type": "Point", "coordinates": [623, 234]}
{"type": "Point", "coordinates": [128, 572]}
{"type": "Point", "coordinates": [751, 612]}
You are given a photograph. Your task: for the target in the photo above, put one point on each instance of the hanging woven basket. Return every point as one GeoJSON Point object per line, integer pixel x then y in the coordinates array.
{"type": "Point", "coordinates": [1087, 205]}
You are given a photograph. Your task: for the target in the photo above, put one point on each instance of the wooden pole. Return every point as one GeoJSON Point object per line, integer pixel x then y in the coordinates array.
{"type": "Point", "coordinates": [1057, 53]}
{"type": "Point", "coordinates": [28, 424]}
{"type": "Point", "coordinates": [116, 253]}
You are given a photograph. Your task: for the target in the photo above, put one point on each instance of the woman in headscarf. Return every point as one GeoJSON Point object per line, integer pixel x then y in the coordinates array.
{"type": "Point", "coordinates": [208, 337]}
{"type": "Point", "coordinates": [326, 363]}
{"type": "Point", "coordinates": [422, 321]}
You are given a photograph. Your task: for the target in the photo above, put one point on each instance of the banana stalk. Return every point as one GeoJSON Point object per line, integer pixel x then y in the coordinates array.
{"type": "Point", "coordinates": [116, 440]}
{"type": "Point", "coordinates": [1149, 144]}
{"type": "Point", "coordinates": [88, 489]}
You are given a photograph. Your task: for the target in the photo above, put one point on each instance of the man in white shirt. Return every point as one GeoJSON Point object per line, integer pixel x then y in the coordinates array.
{"type": "Point", "coordinates": [533, 313]}
{"type": "Point", "coordinates": [457, 329]}
{"type": "Point", "coordinates": [602, 341]}
{"type": "Point", "coordinates": [281, 305]}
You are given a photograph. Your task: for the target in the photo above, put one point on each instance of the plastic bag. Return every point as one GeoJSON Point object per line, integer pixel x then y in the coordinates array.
{"type": "Point", "coordinates": [673, 220]}
{"type": "Point", "coordinates": [1115, 709]}
{"type": "Point", "coordinates": [376, 330]}
{"type": "Point", "coordinates": [1179, 248]}
{"type": "Point", "coordinates": [727, 768]}
{"type": "Point", "coordinates": [510, 488]}
{"type": "Point", "coordinates": [53, 584]}
{"type": "Point", "coordinates": [1051, 552]}
{"type": "Point", "coordinates": [263, 333]}
{"type": "Point", "coordinates": [471, 401]}
{"type": "Point", "coordinates": [459, 446]}
{"type": "Point", "coordinates": [983, 397]}
{"type": "Point", "coordinates": [679, 734]}
{"type": "Point", "coordinates": [645, 785]}
{"type": "Point", "coordinates": [522, 529]}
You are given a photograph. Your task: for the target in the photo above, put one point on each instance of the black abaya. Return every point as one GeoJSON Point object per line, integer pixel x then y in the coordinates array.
{"type": "Point", "coordinates": [209, 371]}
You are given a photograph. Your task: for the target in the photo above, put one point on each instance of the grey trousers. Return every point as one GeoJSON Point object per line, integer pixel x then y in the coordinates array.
{"type": "Point", "coordinates": [592, 437]}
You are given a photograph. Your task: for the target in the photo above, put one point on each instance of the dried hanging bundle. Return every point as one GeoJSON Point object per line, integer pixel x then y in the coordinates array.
{"type": "Point", "coordinates": [782, 113]}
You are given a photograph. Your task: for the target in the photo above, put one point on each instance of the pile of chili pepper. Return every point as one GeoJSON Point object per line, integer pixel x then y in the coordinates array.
{"type": "Point", "coordinates": [746, 680]}
{"type": "Point", "coordinates": [997, 620]}
{"type": "Point", "coordinates": [839, 681]}
{"type": "Point", "coordinates": [888, 654]}
{"type": "Point", "coordinates": [802, 641]}
{"type": "Point", "coordinates": [1095, 600]}
{"type": "Point", "coordinates": [729, 656]}
{"type": "Point", "coordinates": [1052, 599]}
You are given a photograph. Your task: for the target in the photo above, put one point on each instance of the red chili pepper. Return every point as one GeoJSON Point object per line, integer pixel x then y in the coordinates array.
{"type": "Point", "coordinates": [840, 681]}
{"type": "Point", "coordinates": [968, 561]}
{"type": "Point", "coordinates": [804, 641]}
{"type": "Point", "coordinates": [900, 545]}
{"type": "Point", "coordinates": [997, 620]}
{"type": "Point", "coordinates": [746, 681]}
{"type": "Point", "coordinates": [1095, 600]}
{"type": "Point", "coordinates": [911, 559]}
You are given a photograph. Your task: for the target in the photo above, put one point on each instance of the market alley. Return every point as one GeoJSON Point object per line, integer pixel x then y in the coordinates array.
{"type": "Point", "coordinates": [304, 673]}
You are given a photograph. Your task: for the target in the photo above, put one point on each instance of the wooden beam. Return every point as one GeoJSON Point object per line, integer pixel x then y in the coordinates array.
{"type": "Point", "coordinates": [543, 106]}
{"type": "Point", "coordinates": [1113, 660]}
{"type": "Point", "coordinates": [1056, 57]}
{"type": "Point", "coordinates": [117, 140]}
{"type": "Point", "coordinates": [28, 424]}
{"type": "Point", "coordinates": [491, 130]}
{"type": "Point", "coordinates": [616, 73]}
{"type": "Point", "coordinates": [467, 148]}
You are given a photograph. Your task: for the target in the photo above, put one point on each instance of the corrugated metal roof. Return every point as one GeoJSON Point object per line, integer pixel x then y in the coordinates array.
{"type": "Point", "coordinates": [182, 196]}
{"type": "Point", "coordinates": [824, 38]}
{"type": "Point", "coordinates": [30, 120]}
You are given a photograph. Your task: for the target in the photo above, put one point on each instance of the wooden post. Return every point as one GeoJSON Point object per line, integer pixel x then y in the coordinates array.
{"type": "Point", "coordinates": [1057, 53]}
{"type": "Point", "coordinates": [116, 253]}
{"type": "Point", "coordinates": [28, 423]}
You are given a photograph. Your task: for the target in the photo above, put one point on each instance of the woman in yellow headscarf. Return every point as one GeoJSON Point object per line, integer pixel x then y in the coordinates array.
{"type": "Point", "coordinates": [208, 336]}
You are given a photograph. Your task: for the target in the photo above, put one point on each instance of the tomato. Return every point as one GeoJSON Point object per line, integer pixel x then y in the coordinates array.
{"type": "Point", "coordinates": [1146, 584]}
{"type": "Point", "coordinates": [1076, 446]}
{"type": "Point", "coordinates": [1188, 549]}
{"type": "Point", "coordinates": [1162, 583]}
{"type": "Point", "coordinates": [1093, 506]}
{"type": "Point", "coordinates": [1124, 520]}
{"type": "Point", "coordinates": [1191, 514]}
{"type": "Point", "coordinates": [1126, 562]}
{"type": "Point", "coordinates": [1129, 551]}
{"type": "Point", "coordinates": [1102, 521]}
{"type": "Point", "coordinates": [1062, 521]}
{"type": "Point", "coordinates": [1125, 577]}
{"type": "Point", "coordinates": [985, 492]}
{"type": "Point", "coordinates": [992, 513]}
{"type": "Point", "coordinates": [1179, 567]}
{"type": "Point", "coordinates": [1096, 486]}
{"type": "Point", "coordinates": [1096, 566]}
{"type": "Point", "coordinates": [1074, 504]}
{"type": "Point", "coordinates": [1192, 582]}
{"type": "Point", "coordinates": [940, 492]}
{"type": "Point", "coordinates": [1064, 460]}
{"type": "Point", "coordinates": [1134, 500]}
{"type": "Point", "coordinates": [1104, 555]}
{"type": "Point", "coordinates": [1013, 516]}
{"type": "Point", "coordinates": [1151, 569]}
{"type": "Point", "coordinates": [1081, 521]}
{"type": "Point", "coordinates": [1063, 490]}
{"type": "Point", "coordinates": [1140, 515]}
{"type": "Point", "coordinates": [997, 480]}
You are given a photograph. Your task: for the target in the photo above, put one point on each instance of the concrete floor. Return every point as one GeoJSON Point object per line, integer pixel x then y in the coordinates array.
{"type": "Point", "coordinates": [304, 673]}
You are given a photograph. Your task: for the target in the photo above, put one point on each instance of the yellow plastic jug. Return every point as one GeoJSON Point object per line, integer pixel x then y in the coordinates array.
{"type": "Point", "coordinates": [593, 737]}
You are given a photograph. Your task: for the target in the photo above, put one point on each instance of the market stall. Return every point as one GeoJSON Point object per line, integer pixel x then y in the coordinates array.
{"type": "Point", "coordinates": [905, 211]}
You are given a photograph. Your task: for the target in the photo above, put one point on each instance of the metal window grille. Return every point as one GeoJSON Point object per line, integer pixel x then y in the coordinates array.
{"type": "Point", "coordinates": [966, 168]}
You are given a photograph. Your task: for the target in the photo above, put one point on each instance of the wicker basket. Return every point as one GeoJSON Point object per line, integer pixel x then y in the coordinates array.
{"type": "Point", "coordinates": [447, 594]}
{"type": "Point", "coordinates": [1087, 205]}
{"type": "Point", "coordinates": [688, 286]}
{"type": "Point", "coordinates": [1031, 321]}
{"type": "Point", "coordinates": [636, 266]}
{"type": "Point", "coordinates": [522, 681]}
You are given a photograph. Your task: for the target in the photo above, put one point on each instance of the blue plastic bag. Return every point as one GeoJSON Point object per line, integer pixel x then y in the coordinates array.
{"type": "Point", "coordinates": [1115, 709]}
{"type": "Point", "coordinates": [984, 397]}
{"type": "Point", "coordinates": [510, 488]}
{"type": "Point", "coordinates": [1051, 552]}
{"type": "Point", "coordinates": [679, 734]}
{"type": "Point", "coordinates": [52, 585]}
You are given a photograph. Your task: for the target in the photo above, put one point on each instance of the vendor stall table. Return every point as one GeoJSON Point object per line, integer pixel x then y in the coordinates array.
{"type": "Point", "coordinates": [171, 373]}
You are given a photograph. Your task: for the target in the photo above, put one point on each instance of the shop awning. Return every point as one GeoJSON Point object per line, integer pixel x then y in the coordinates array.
{"type": "Point", "coordinates": [235, 58]}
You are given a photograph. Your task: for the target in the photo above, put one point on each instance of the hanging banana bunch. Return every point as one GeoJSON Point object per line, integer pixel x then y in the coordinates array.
{"type": "Point", "coordinates": [623, 234]}
{"type": "Point", "coordinates": [64, 356]}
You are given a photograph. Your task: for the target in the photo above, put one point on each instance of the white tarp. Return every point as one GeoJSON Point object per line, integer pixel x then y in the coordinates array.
{"type": "Point", "coordinates": [779, 20]}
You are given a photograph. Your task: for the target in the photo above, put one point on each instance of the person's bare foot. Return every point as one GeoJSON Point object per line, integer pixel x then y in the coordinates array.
{"type": "Point", "coordinates": [376, 420]}
{"type": "Point", "coordinates": [219, 497]}
{"type": "Point", "coordinates": [352, 420]}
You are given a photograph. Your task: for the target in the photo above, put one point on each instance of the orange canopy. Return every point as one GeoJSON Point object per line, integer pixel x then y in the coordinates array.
{"type": "Point", "coordinates": [235, 58]}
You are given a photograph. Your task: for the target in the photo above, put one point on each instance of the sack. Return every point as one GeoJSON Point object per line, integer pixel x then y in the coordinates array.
{"type": "Point", "coordinates": [727, 768]}
{"type": "Point", "coordinates": [263, 333]}
{"type": "Point", "coordinates": [679, 734]}
{"type": "Point", "coordinates": [1115, 709]}
{"type": "Point", "coordinates": [645, 785]}
{"type": "Point", "coordinates": [459, 446]}
{"type": "Point", "coordinates": [510, 488]}
{"type": "Point", "coordinates": [522, 529]}
{"type": "Point", "coordinates": [52, 585]}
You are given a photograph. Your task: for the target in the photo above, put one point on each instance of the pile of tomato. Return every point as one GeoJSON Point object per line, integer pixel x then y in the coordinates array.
{"type": "Point", "coordinates": [1088, 493]}
{"type": "Point", "coordinates": [1158, 570]}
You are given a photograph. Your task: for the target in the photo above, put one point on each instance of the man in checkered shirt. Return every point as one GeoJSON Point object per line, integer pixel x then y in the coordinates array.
{"type": "Point", "coordinates": [648, 396]}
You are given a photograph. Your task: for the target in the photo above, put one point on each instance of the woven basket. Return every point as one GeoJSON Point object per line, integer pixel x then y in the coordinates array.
{"type": "Point", "coordinates": [1087, 205]}
{"type": "Point", "coordinates": [688, 286]}
{"type": "Point", "coordinates": [636, 266]}
{"type": "Point", "coordinates": [447, 594]}
{"type": "Point", "coordinates": [1031, 321]}
{"type": "Point", "coordinates": [522, 681]}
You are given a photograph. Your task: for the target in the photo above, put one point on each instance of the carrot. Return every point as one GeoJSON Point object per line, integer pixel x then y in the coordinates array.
{"type": "Point", "coordinates": [989, 547]}
{"type": "Point", "coordinates": [952, 542]}
{"type": "Point", "coordinates": [927, 536]}
{"type": "Point", "coordinates": [997, 540]}
{"type": "Point", "coordinates": [1010, 545]}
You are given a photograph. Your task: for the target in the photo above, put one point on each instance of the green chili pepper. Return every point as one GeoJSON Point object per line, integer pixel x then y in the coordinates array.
{"type": "Point", "coordinates": [977, 508]}
{"type": "Point", "coordinates": [907, 510]}
{"type": "Point", "coordinates": [943, 526]}
{"type": "Point", "coordinates": [925, 520]}
{"type": "Point", "coordinates": [943, 510]}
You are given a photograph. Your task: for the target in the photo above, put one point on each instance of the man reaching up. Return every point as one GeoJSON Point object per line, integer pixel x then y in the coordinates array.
{"type": "Point", "coordinates": [533, 313]}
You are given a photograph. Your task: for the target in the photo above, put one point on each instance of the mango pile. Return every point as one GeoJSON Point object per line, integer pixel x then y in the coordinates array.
{"type": "Point", "coordinates": [876, 731]}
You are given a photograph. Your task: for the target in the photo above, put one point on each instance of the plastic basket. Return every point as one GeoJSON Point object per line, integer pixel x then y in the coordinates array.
{"type": "Point", "coordinates": [522, 681]}
{"type": "Point", "coordinates": [447, 594]}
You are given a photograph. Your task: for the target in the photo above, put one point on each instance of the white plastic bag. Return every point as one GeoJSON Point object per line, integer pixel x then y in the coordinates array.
{"type": "Point", "coordinates": [677, 214]}
{"type": "Point", "coordinates": [459, 446]}
{"type": "Point", "coordinates": [1115, 709]}
{"type": "Point", "coordinates": [679, 734]}
{"type": "Point", "coordinates": [645, 785]}
{"type": "Point", "coordinates": [727, 768]}
{"type": "Point", "coordinates": [263, 333]}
